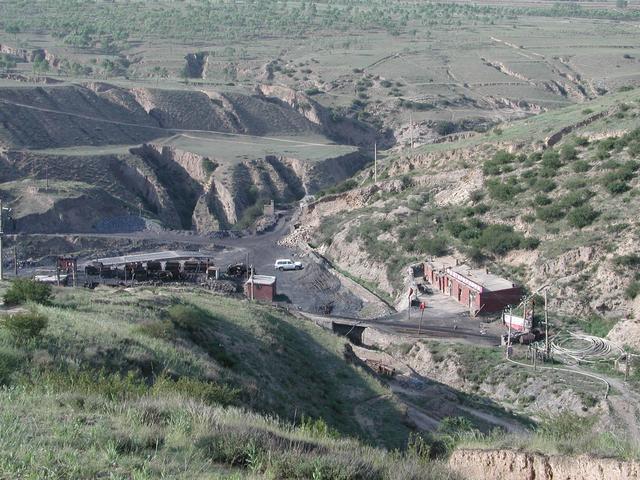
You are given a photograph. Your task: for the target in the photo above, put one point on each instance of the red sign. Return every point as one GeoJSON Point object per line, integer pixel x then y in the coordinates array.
{"type": "Point", "coordinates": [422, 306]}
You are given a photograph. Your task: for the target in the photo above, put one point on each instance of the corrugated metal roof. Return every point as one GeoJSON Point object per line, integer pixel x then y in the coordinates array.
{"type": "Point", "coordinates": [153, 257]}
{"type": "Point", "coordinates": [486, 279]}
{"type": "Point", "coordinates": [262, 280]}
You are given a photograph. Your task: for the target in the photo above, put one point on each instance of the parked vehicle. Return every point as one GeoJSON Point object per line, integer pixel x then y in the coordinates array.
{"type": "Point", "coordinates": [237, 270]}
{"type": "Point", "coordinates": [287, 264]}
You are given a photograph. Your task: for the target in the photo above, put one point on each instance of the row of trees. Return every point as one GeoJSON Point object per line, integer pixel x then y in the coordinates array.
{"type": "Point", "coordinates": [110, 25]}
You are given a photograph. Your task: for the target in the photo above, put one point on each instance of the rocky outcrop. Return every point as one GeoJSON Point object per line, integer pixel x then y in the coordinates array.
{"type": "Point", "coordinates": [25, 55]}
{"type": "Point", "coordinates": [514, 465]}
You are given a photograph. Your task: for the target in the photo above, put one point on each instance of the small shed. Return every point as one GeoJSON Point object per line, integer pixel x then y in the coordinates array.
{"type": "Point", "coordinates": [261, 287]}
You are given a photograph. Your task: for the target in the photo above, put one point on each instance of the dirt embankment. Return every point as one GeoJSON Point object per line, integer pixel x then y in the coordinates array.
{"type": "Point", "coordinates": [512, 465]}
{"type": "Point", "coordinates": [103, 114]}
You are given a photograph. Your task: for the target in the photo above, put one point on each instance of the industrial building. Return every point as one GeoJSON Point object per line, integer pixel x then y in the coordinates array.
{"type": "Point", "coordinates": [478, 289]}
{"type": "Point", "coordinates": [261, 287]}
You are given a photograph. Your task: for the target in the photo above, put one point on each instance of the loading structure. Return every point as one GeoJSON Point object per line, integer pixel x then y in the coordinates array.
{"type": "Point", "coordinates": [478, 289]}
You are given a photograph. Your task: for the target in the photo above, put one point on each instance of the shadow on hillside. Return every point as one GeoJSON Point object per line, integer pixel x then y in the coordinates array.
{"type": "Point", "coordinates": [283, 369]}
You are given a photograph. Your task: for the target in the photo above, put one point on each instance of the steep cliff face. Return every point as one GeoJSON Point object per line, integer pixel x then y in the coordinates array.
{"type": "Point", "coordinates": [513, 465]}
{"type": "Point", "coordinates": [209, 199]}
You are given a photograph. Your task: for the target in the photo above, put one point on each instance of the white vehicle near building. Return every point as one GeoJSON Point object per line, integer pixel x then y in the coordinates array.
{"type": "Point", "coordinates": [287, 264]}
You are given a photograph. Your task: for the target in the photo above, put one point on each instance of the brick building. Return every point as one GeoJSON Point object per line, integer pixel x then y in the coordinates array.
{"type": "Point", "coordinates": [261, 287]}
{"type": "Point", "coordinates": [480, 290]}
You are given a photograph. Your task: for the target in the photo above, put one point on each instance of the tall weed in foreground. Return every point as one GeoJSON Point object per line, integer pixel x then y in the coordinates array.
{"type": "Point", "coordinates": [25, 326]}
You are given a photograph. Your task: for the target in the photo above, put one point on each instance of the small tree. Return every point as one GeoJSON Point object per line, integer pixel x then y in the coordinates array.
{"type": "Point", "coordinates": [40, 65]}
{"type": "Point", "coordinates": [25, 326]}
{"type": "Point", "coordinates": [13, 30]}
{"type": "Point", "coordinates": [582, 216]}
{"type": "Point", "coordinates": [185, 74]}
{"type": "Point", "coordinates": [23, 290]}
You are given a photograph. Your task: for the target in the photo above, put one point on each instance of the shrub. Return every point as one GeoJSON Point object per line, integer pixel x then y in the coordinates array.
{"type": "Point", "coordinates": [576, 198]}
{"type": "Point", "coordinates": [616, 187]}
{"type": "Point", "coordinates": [566, 429]}
{"type": "Point", "coordinates": [542, 200]}
{"type": "Point", "coordinates": [580, 166]}
{"type": "Point", "coordinates": [568, 153]}
{"type": "Point", "coordinates": [581, 141]}
{"type": "Point", "coordinates": [208, 166]}
{"type": "Point", "coordinates": [114, 386]}
{"type": "Point", "coordinates": [476, 195]}
{"type": "Point", "coordinates": [598, 325]}
{"type": "Point", "coordinates": [499, 239]}
{"type": "Point", "coordinates": [23, 290]}
{"type": "Point", "coordinates": [545, 185]}
{"type": "Point", "coordinates": [632, 260]}
{"type": "Point", "coordinates": [445, 128]}
{"type": "Point", "coordinates": [632, 290]}
{"type": "Point", "coordinates": [497, 164]}
{"type": "Point", "coordinates": [530, 243]}
{"type": "Point", "coordinates": [502, 191]}
{"type": "Point", "coordinates": [550, 213]}
{"type": "Point", "coordinates": [340, 188]}
{"type": "Point", "coordinates": [551, 160]}
{"type": "Point", "coordinates": [582, 216]}
{"type": "Point", "coordinates": [25, 326]}
{"type": "Point", "coordinates": [10, 361]}
{"type": "Point", "coordinates": [433, 246]}
{"type": "Point", "coordinates": [207, 392]}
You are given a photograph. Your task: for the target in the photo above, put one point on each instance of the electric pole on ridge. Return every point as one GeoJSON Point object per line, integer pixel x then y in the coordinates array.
{"type": "Point", "coordinates": [375, 162]}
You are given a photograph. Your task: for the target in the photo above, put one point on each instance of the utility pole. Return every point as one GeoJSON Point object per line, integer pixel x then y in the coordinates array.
{"type": "Point", "coordinates": [252, 280]}
{"type": "Point", "coordinates": [411, 128]}
{"type": "Point", "coordinates": [15, 260]}
{"type": "Point", "coordinates": [547, 345]}
{"type": "Point", "coordinates": [375, 162]}
{"type": "Point", "coordinates": [247, 264]}
{"type": "Point", "coordinates": [2, 210]}
{"type": "Point", "coordinates": [510, 319]}
{"type": "Point", "coordinates": [1, 235]}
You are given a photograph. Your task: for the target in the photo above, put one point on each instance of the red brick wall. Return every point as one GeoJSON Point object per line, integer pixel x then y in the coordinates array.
{"type": "Point", "coordinates": [264, 293]}
{"type": "Point", "coordinates": [498, 300]}
{"type": "Point", "coordinates": [461, 292]}
{"type": "Point", "coordinates": [492, 301]}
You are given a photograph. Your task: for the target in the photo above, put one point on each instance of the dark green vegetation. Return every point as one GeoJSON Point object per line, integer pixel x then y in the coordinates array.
{"type": "Point", "coordinates": [150, 384]}
{"type": "Point", "coordinates": [24, 290]}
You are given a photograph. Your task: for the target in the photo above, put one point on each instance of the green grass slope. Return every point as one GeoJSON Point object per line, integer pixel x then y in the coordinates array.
{"type": "Point", "coordinates": [150, 384]}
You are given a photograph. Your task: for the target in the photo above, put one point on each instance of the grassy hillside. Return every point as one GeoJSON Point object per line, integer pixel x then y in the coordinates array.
{"type": "Point", "coordinates": [564, 214]}
{"type": "Point", "coordinates": [141, 384]}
